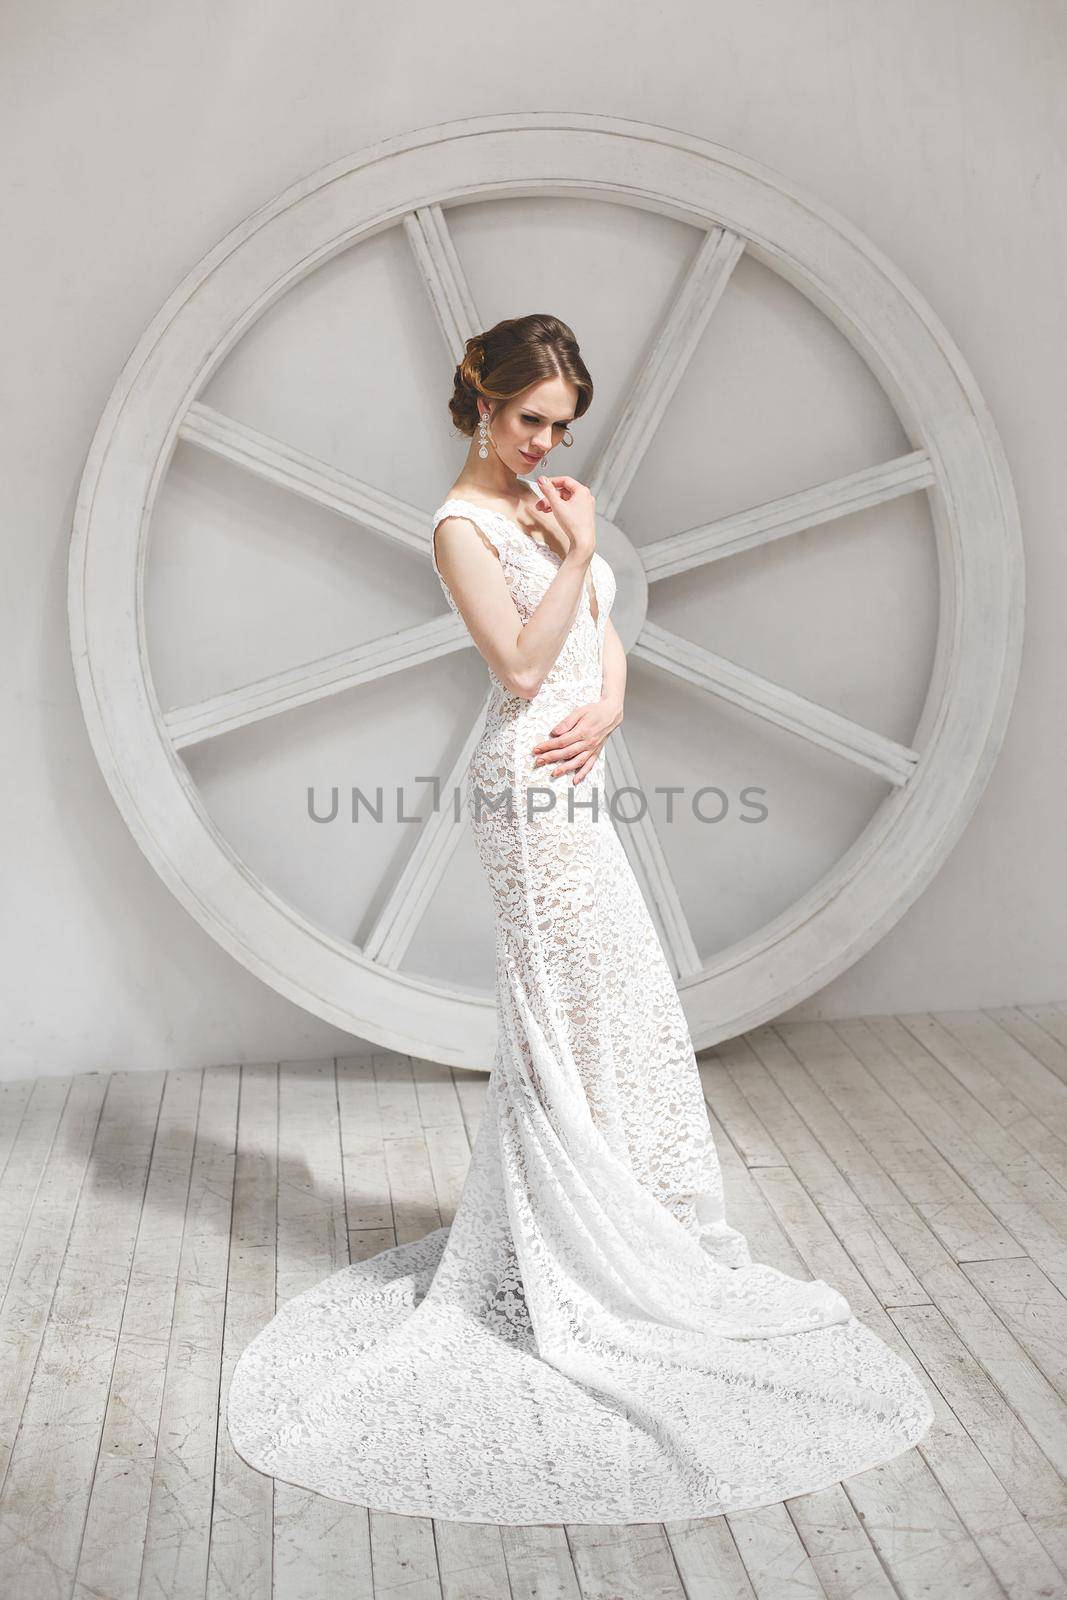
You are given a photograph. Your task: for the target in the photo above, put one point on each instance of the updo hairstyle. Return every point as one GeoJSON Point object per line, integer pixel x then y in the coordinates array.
{"type": "Point", "coordinates": [509, 357]}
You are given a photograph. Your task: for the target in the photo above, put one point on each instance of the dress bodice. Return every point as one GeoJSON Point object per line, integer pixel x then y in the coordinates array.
{"type": "Point", "coordinates": [529, 567]}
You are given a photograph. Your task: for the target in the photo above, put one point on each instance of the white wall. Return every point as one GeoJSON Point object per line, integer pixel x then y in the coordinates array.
{"type": "Point", "coordinates": [135, 134]}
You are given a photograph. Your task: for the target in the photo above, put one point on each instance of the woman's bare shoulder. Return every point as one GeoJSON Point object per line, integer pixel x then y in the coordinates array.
{"type": "Point", "coordinates": [455, 533]}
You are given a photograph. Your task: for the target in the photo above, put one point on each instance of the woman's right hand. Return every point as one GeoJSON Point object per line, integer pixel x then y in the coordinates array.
{"type": "Point", "coordinates": [575, 511]}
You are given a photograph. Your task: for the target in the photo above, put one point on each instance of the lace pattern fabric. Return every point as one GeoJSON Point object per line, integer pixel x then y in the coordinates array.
{"type": "Point", "coordinates": [590, 1339]}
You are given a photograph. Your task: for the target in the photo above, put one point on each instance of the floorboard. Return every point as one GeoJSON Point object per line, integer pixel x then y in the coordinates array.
{"type": "Point", "coordinates": [151, 1223]}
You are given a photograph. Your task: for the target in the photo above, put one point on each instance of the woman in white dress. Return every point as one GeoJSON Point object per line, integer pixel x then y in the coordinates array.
{"type": "Point", "coordinates": [589, 1340]}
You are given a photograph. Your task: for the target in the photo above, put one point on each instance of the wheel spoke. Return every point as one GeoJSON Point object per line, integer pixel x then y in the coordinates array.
{"type": "Point", "coordinates": [424, 868]}
{"type": "Point", "coordinates": [649, 863]}
{"type": "Point", "coordinates": [817, 723]}
{"type": "Point", "coordinates": [289, 468]}
{"type": "Point", "coordinates": [314, 680]}
{"type": "Point", "coordinates": [743, 530]}
{"type": "Point", "coordinates": [664, 367]}
{"type": "Point", "coordinates": [446, 283]}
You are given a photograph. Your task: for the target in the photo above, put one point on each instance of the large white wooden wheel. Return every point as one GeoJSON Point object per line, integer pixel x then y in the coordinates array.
{"type": "Point", "coordinates": [932, 783]}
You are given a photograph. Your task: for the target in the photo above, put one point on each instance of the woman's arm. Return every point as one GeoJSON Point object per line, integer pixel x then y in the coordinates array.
{"type": "Point", "coordinates": [521, 657]}
{"type": "Point", "coordinates": [613, 690]}
{"type": "Point", "coordinates": [578, 738]}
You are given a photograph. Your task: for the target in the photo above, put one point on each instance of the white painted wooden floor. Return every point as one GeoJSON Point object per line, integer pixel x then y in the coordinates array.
{"type": "Point", "coordinates": [149, 1224]}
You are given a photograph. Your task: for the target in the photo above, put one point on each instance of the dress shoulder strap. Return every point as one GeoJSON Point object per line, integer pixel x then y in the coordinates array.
{"type": "Point", "coordinates": [493, 524]}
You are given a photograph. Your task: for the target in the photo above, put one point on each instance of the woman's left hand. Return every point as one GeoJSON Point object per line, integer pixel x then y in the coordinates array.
{"type": "Point", "coordinates": [578, 738]}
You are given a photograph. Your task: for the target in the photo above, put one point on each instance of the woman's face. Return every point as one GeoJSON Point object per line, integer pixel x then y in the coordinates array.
{"type": "Point", "coordinates": [524, 428]}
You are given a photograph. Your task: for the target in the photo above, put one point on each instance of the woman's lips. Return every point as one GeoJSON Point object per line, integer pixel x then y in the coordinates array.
{"type": "Point", "coordinates": [531, 459]}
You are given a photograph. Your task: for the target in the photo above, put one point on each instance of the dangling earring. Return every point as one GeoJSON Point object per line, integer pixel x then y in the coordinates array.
{"type": "Point", "coordinates": [568, 437]}
{"type": "Point", "coordinates": [483, 435]}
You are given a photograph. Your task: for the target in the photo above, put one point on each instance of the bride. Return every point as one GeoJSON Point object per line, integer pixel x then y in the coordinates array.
{"type": "Point", "coordinates": [589, 1340]}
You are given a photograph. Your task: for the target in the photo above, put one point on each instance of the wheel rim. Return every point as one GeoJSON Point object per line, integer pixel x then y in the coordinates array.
{"type": "Point", "coordinates": [956, 459]}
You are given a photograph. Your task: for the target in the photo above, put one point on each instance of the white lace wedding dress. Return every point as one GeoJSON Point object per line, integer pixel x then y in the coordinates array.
{"type": "Point", "coordinates": [590, 1340]}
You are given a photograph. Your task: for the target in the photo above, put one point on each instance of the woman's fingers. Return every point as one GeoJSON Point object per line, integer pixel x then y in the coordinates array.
{"type": "Point", "coordinates": [590, 763]}
{"type": "Point", "coordinates": [561, 760]}
{"type": "Point", "coordinates": [567, 730]}
{"type": "Point", "coordinates": [567, 744]}
{"type": "Point", "coordinates": [562, 488]}
{"type": "Point", "coordinates": [558, 752]}
{"type": "Point", "coordinates": [577, 761]}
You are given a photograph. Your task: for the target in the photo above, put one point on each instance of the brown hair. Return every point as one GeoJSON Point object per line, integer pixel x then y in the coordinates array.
{"type": "Point", "coordinates": [512, 355]}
